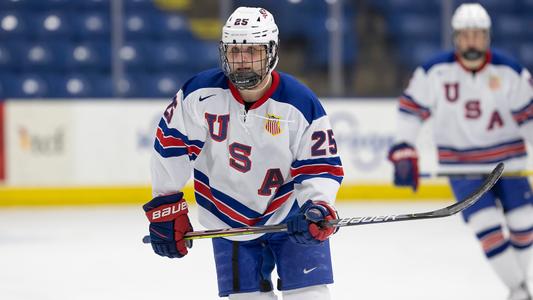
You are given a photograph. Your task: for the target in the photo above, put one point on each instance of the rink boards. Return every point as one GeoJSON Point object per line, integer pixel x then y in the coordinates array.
{"type": "Point", "coordinates": [97, 151]}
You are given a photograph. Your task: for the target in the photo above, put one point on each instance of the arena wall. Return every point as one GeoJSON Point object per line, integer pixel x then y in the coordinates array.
{"type": "Point", "coordinates": [97, 152]}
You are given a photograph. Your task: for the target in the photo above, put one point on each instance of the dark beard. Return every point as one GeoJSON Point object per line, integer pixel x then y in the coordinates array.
{"type": "Point", "coordinates": [472, 54]}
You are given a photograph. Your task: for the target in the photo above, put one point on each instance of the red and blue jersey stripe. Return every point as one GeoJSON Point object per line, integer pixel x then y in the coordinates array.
{"type": "Point", "coordinates": [320, 167]}
{"type": "Point", "coordinates": [170, 142]}
{"type": "Point", "coordinates": [230, 210]}
{"type": "Point", "coordinates": [483, 155]}
{"type": "Point", "coordinates": [409, 106]}
{"type": "Point", "coordinates": [524, 114]}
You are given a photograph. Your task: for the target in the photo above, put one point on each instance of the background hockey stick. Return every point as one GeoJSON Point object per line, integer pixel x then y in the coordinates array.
{"type": "Point", "coordinates": [523, 173]}
{"type": "Point", "coordinates": [489, 182]}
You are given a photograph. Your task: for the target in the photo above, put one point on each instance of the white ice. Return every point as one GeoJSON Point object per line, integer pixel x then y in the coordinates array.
{"type": "Point", "coordinates": [95, 253]}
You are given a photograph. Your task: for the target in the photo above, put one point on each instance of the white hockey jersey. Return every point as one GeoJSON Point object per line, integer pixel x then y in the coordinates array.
{"type": "Point", "coordinates": [479, 118]}
{"type": "Point", "coordinates": [249, 168]}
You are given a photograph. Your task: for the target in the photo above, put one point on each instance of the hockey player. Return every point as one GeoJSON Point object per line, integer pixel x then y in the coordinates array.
{"type": "Point", "coordinates": [262, 151]}
{"type": "Point", "coordinates": [481, 103]}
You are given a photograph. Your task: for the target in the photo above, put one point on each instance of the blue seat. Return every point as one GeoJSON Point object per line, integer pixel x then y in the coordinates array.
{"type": "Point", "coordinates": [131, 86]}
{"type": "Point", "coordinates": [171, 26]}
{"type": "Point", "coordinates": [202, 55]}
{"type": "Point", "coordinates": [28, 86]}
{"type": "Point", "coordinates": [37, 55]}
{"type": "Point", "coordinates": [134, 55]}
{"type": "Point", "coordinates": [52, 24]}
{"type": "Point", "coordinates": [508, 27]}
{"type": "Point", "coordinates": [507, 48]}
{"type": "Point", "coordinates": [92, 4]}
{"type": "Point", "coordinates": [14, 25]}
{"type": "Point", "coordinates": [139, 5]}
{"type": "Point", "coordinates": [81, 85]}
{"type": "Point", "coordinates": [413, 53]}
{"type": "Point", "coordinates": [162, 85]}
{"type": "Point", "coordinates": [91, 25]}
{"type": "Point", "coordinates": [89, 56]}
{"type": "Point", "coordinates": [411, 6]}
{"type": "Point", "coordinates": [526, 7]}
{"type": "Point", "coordinates": [404, 26]}
{"type": "Point", "coordinates": [138, 24]}
{"type": "Point", "coordinates": [41, 5]}
{"type": "Point", "coordinates": [168, 54]}
{"type": "Point", "coordinates": [526, 55]}
{"type": "Point", "coordinates": [494, 7]}
{"type": "Point", "coordinates": [9, 56]}
{"type": "Point", "coordinates": [16, 5]}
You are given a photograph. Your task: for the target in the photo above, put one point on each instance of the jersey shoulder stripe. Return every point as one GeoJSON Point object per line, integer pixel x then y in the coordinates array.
{"type": "Point", "coordinates": [442, 58]}
{"type": "Point", "coordinates": [212, 78]}
{"type": "Point", "coordinates": [499, 59]}
{"type": "Point", "coordinates": [294, 93]}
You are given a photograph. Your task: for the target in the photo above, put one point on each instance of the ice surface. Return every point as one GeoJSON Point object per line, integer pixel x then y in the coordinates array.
{"type": "Point", "coordinates": [95, 253]}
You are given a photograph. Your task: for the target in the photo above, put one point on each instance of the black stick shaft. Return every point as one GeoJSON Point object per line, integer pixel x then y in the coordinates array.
{"type": "Point", "coordinates": [489, 182]}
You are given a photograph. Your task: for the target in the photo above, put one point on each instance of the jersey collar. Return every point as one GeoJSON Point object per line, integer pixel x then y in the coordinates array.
{"type": "Point", "coordinates": [264, 98]}
{"type": "Point", "coordinates": [488, 58]}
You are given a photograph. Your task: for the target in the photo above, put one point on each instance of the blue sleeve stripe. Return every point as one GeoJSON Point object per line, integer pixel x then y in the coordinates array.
{"type": "Point", "coordinates": [169, 152]}
{"type": "Point", "coordinates": [334, 161]}
{"type": "Point", "coordinates": [177, 134]}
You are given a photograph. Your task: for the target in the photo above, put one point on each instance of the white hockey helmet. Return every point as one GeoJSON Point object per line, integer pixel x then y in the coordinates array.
{"type": "Point", "coordinates": [470, 16]}
{"type": "Point", "coordinates": [254, 26]}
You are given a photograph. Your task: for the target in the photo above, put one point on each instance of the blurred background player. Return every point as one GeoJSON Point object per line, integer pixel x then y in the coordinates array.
{"type": "Point", "coordinates": [481, 103]}
{"type": "Point", "coordinates": [262, 152]}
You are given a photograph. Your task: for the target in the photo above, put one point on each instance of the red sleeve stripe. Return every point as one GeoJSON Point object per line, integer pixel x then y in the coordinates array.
{"type": "Point", "coordinates": [168, 141]}
{"type": "Point", "coordinates": [317, 169]}
{"type": "Point", "coordinates": [409, 106]}
{"type": "Point", "coordinates": [524, 115]}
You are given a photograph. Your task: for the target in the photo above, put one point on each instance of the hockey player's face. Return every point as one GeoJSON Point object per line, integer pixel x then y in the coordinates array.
{"type": "Point", "coordinates": [472, 43]}
{"type": "Point", "coordinates": [246, 58]}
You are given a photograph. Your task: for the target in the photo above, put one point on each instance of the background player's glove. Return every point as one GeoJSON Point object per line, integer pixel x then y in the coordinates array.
{"type": "Point", "coordinates": [405, 160]}
{"type": "Point", "coordinates": [168, 223]}
{"type": "Point", "coordinates": [310, 226]}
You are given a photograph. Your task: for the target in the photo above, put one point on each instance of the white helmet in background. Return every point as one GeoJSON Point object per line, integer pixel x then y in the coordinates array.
{"type": "Point", "coordinates": [251, 26]}
{"type": "Point", "coordinates": [470, 16]}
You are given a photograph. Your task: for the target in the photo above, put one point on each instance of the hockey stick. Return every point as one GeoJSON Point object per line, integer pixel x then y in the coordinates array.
{"type": "Point", "coordinates": [489, 182]}
{"type": "Point", "coordinates": [524, 173]}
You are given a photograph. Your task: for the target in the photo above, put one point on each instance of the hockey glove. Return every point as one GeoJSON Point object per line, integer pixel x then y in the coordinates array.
{"type": "Point", "coordinates": [168, 224]}
{"type": "Point", "coordinates": [405, 160]}
{"type": "Point", "coordinates": [309, 226]}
